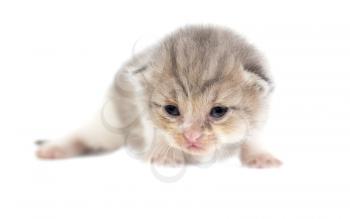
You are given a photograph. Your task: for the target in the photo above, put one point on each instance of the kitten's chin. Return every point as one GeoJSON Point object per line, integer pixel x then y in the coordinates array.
{"type": "Point", "coordinates": [201, 148]}
{"type": "Point", "coordinates": [198, 150]}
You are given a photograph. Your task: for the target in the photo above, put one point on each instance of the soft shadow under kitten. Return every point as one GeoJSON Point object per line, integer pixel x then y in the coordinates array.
{"type": "Point", "coordinates": [202, 92]}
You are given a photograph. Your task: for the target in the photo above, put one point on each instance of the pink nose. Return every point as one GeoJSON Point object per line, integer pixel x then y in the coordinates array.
{"type": "Point", "coordinates": [192, 136]}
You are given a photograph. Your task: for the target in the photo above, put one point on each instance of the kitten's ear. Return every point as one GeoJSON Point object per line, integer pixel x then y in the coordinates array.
{"type": "Point", "coordinates": [130, 79]}
{"type": "Point", "coordinates": [257, 79]}
{"type": "Point", "coordinates": [142, 75]}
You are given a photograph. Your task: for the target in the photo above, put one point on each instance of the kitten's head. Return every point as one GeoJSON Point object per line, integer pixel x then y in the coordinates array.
{"type": "Point", "coordinates": [206, 90]}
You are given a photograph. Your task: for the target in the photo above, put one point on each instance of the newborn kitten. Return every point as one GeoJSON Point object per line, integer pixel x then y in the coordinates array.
{"type": "Point", "coordinates": [201, 92]}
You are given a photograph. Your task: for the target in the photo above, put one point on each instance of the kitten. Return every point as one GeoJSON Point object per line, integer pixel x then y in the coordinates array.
{"type": "Point", "coordinates": [201, 92]}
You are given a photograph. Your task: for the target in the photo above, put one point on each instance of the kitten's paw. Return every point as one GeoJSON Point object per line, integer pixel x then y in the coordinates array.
{"type": "Point", "coordinates": [260, 160]}
{"type": "Point", "coordinates": [172, 158]}
{"type": "Point", "coordinates": [52, 152]}
{"type": "Point", "coordinates": [57, 150]}
{"type": "Point", "coordinates": [165, 161]}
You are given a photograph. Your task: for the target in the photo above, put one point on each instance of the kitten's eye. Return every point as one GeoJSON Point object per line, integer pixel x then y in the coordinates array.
{"type": "Point", "coordinates": [172, 110]}
{"type": "Point", "coordinates": [218, 111]}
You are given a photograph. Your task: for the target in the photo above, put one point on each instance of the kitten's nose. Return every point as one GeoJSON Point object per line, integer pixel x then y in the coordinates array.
{"type": "Point", "coordinates": [192, 135]}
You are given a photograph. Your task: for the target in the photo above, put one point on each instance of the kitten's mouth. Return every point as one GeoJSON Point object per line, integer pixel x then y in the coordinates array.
{"type": "Point", "coordinates": [194, 146]}
{"type": "Point", "coordinates": [200, 147]}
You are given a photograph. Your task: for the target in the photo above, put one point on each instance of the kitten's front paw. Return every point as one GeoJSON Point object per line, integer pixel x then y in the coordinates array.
{"type": "Point", "coordinates": [260, 160]}
{"type": "Point", "coordinates": [170, 158]}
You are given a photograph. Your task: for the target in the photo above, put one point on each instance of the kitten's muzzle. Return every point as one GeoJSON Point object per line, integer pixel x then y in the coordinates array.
{"type": "Point", "coordinates": [193, 138]}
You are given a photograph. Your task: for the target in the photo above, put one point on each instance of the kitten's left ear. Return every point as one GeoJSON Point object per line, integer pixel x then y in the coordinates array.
{"type": "Point", "coordinates": [257, 79]}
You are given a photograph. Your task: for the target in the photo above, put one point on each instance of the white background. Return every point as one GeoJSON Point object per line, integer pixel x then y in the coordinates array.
{"type": "Point", "coordinates": [58, 57]}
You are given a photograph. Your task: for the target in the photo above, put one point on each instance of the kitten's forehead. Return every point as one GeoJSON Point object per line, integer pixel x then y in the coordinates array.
{"type": "Point", "coordinates": [201, 96]}
{"type": "Point", "coordinates": [198, 61]}
{"type": "Point", "coordinates": [203, 66]}
{"type": "Point", "coordinates": [205, 86]}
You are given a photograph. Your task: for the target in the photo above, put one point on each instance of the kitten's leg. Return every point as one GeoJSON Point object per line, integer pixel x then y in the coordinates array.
{"type": "Point", "coordinates": [93, 137]}
{"type": "Point", "coordinates": [62, 148]}
{"type": "Point", "coordinates": [253, 156]}
{"type": "Point", "coordinates": [163, 154]}
{"type": "Point", "coordinates": [167, 156]}
{"type": "Point", "coordinates": [107, 130]}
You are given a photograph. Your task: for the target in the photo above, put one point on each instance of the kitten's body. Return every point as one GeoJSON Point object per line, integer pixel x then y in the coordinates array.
{"type": "Point", "coordinates": [201, 92]}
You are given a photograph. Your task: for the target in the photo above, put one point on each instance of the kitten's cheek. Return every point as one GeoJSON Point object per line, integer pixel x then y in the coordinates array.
{"type": "Point", "coordinates": [234, 135]}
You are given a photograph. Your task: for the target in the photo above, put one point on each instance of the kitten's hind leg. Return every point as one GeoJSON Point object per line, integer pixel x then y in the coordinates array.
{"type": "Point", "coordinates": [65, 148]}
{"type": "Point", "coordinates": [91, 138]}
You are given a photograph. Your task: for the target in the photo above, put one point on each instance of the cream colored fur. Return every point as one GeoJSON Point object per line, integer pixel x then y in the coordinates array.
{"type": "Point", "coordinates": [194, 68]}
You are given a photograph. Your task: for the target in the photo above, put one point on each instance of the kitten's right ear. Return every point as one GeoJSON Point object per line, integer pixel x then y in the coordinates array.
{"type": "Point", "coordinates": [130, 79]}
{"type": "Point", "coordinates": [140, 69]}
{"type": "Point", "coordinates": [141, 75]}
